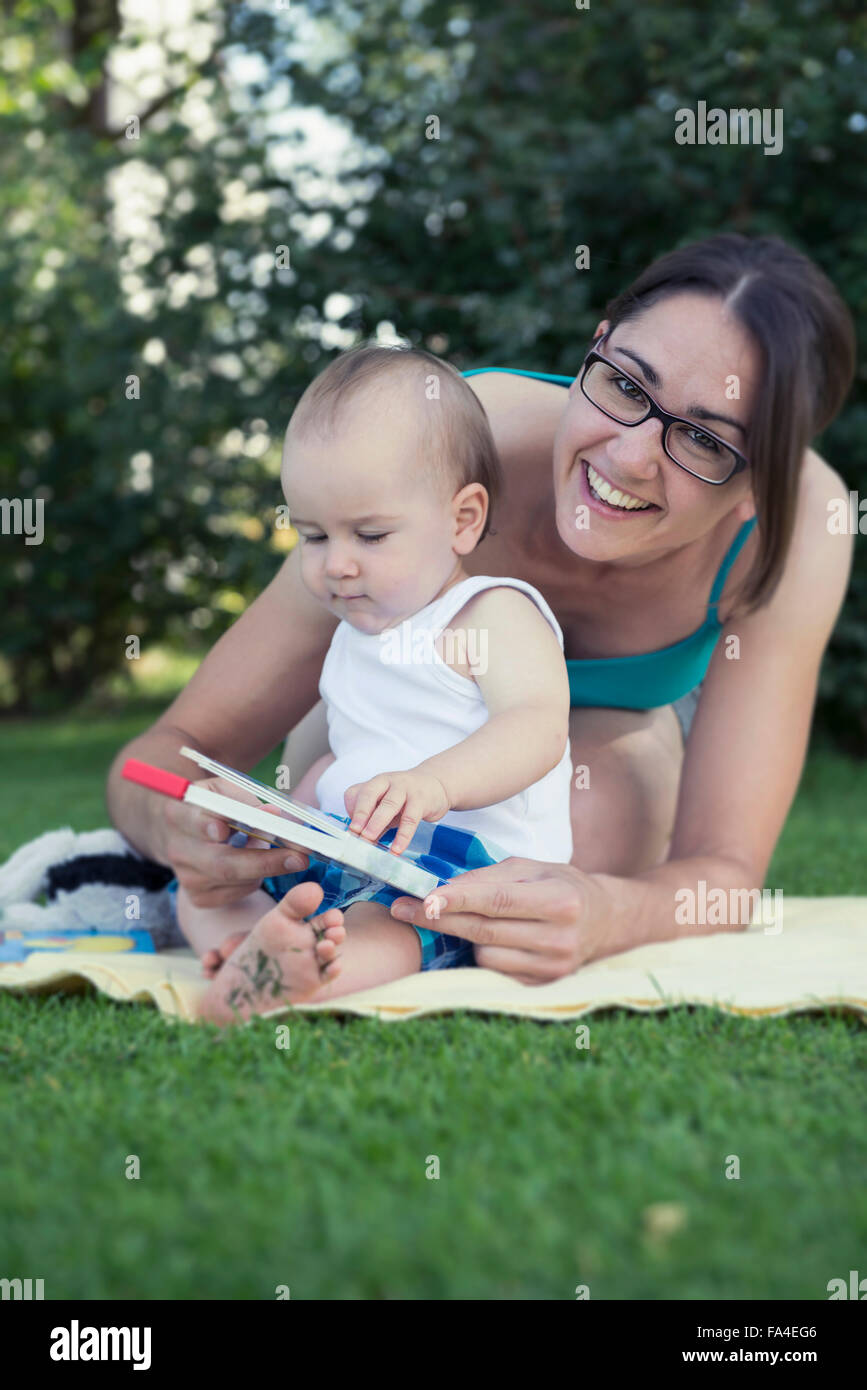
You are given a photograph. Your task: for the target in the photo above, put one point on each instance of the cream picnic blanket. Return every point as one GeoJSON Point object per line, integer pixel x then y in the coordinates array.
{"type": "Point", "coordinates": [817, 959]}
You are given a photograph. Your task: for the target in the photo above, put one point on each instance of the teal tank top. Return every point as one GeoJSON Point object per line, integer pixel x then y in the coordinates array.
{"type": "Point", "coordinates": [655, 678]}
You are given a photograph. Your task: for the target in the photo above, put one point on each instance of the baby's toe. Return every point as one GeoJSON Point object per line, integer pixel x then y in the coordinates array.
{"type": "Point", "coordinates": [326, 950]}
{"type": "Point", "coordinates": [301, 901]}
{"type": "Point", "coordinates": [211, 962]}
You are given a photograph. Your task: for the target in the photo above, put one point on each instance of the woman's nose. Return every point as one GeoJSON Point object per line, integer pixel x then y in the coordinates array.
{"type": "Point", "coordinates": [637, 449]}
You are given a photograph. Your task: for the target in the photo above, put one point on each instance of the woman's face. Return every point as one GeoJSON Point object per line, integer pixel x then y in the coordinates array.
{"type": "Point", "coordinates": [695, 361]}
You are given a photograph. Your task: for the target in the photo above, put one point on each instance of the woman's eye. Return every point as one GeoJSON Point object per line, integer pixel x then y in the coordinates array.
{"type": "Point", "coordinates": [625, 385]}
{"type": "Point", "coordinates": [704, 441]}
{"type": "Point", "coordinates": [372, 538]}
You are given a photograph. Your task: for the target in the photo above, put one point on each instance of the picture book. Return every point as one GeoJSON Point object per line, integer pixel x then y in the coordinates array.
{"type": "Point", "coordinates": [291, 823]}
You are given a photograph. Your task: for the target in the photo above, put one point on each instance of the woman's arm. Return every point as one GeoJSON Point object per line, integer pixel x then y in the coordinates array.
{"type": "Point", "coordinates": [749, 739]}
{"type": "Point", "coordinates": [744, 760]}
{"type": "Point", "coordinates": [257, 682]}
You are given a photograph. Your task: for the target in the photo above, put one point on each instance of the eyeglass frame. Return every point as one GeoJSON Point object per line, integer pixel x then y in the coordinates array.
{"type": "Point", "coordinates": [655, 412]}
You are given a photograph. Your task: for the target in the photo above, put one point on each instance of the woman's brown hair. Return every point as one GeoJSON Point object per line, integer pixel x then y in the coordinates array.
{"type": "Point", "coordinates": [806, 340]}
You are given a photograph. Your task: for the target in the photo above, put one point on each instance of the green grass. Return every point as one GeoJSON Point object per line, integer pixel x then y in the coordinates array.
{"type": "Point", "coordinates": [306, 1167]}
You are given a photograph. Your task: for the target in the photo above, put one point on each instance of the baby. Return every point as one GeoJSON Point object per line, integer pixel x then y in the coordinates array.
{"type": "Point", "coordinates": [447, 695]}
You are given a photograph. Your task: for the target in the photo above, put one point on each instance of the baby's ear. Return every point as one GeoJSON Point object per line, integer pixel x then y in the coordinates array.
{"type": "Point", "coordinates": [471, 505]}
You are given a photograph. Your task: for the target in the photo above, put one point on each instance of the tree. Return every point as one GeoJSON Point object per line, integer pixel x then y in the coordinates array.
{"type": "Point", "coordinates": [488, 142]}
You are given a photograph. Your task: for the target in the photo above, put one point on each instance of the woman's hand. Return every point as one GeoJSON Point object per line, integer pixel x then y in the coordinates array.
{"type": "Point", "coordinates": [212, 872]}
{"type": "Point", "coordinates": [537, 922]}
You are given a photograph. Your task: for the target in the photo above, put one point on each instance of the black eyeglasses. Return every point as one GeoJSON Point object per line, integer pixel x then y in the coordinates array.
{"type": "Point", "coordinates": [619, 396]}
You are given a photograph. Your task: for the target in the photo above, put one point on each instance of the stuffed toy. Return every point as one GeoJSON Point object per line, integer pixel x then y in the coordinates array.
{"type": "Point", "coordinates": [91, 882]}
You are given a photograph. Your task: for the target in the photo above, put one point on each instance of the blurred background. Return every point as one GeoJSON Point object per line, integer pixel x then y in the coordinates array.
{"type": "Point", "coordinates": [201, 203]}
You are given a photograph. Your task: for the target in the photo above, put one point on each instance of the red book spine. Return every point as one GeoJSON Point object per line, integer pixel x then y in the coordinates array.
{"type": "Point", "coordinates": [169, 783]}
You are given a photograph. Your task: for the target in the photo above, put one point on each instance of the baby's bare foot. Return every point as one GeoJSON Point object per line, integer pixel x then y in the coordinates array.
{"type": "Point", "coordinates": [216, 958]}
{"type": "Point", "coordinates": [283, 959]}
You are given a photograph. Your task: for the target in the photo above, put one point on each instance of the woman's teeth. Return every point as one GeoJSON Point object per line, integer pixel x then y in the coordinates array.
{"type": "Point", "coordinates": [611, 495]}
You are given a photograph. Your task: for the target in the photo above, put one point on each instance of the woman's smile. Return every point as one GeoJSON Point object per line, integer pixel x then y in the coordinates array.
{"type": "Point", "coordinates": [607, 500]}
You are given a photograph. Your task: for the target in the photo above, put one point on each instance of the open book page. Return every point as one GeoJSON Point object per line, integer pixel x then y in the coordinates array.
{"type": "Point", "coordinates": [299, 809]}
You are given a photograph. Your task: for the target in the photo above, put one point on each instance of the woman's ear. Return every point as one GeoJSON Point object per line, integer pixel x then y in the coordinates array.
{"type": "Point", "coordinates": [746, 510]}
{"type": "Point", "coordinates": [470, 510]}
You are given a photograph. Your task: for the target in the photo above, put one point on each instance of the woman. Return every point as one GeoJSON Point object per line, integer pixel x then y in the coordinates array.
{"type": "Point", "coordinates": [682, 542]}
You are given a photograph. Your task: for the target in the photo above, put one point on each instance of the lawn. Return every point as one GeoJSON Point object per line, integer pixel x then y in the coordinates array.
{"type": "Point", "coordinates": [306, 1166]}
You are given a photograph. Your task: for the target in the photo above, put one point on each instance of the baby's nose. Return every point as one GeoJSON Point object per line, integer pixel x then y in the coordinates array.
{"type": "Point", "coordinates": [339, 561]}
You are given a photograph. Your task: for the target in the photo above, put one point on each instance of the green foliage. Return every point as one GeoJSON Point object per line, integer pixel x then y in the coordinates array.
{"type": "Point", "coordinates": [556, 129]}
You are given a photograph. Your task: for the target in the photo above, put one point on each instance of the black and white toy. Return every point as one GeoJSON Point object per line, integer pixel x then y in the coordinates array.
{"type": "Point", "coordinates": [91, 882]}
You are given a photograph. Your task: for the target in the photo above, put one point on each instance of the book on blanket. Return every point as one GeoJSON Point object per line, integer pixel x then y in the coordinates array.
{"type": "Point", "coordinates": [323, 835]}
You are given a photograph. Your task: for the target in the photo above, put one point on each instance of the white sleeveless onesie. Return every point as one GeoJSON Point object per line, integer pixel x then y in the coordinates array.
{"type": "Point", "coordinates": [392, 702]}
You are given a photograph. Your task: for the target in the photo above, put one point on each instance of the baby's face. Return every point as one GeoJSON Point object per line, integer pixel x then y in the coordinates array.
{"type": "Point", "coordinates": [376, 524]}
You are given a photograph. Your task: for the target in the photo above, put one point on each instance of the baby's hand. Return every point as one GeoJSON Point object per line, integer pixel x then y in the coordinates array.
{"type": "Point", "coordinates": [395, 798]}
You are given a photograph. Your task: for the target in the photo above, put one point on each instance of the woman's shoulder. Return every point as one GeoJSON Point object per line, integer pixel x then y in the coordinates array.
{"type": "Point", "coordinates": [822, 541]}
{"type": "Point", "coordinates": [816, 573]}
{"type": "Point", "coordinates": [822, 496]}
{"type": "Point", "coordinates": [816, 562]}
{"type": "Point", "coordinates": [501, 386]}
{"type": "Point", "coordinates": [819, 483]}
{"type": "Point", "coordinates": [523, 413]}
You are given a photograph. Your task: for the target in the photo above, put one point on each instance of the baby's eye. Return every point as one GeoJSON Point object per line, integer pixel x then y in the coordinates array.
{"type": "Point", "coordinates": [365, 536]}
{"type": "Point", "coordinates": [312, 538]}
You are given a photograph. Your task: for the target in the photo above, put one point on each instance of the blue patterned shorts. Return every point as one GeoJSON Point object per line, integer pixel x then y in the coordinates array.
{"type": "Point", "coordinates": [441, 849]}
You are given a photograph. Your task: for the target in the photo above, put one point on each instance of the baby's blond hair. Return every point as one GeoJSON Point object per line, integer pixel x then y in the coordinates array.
{"type": "Point", "coordinates": [453, 428]}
